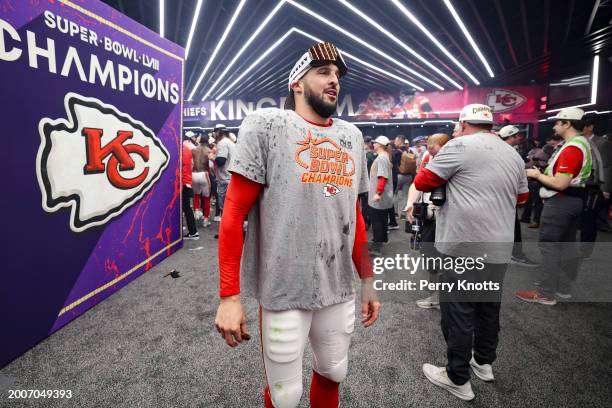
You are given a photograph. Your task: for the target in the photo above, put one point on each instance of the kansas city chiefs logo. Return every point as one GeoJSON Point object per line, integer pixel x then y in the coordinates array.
{"type": "Point", "coordinates": [329, 190]}
{"type": "Point", "coordinates": [99, 161]}
{"type": "Point", "coordinates": [502, 100]}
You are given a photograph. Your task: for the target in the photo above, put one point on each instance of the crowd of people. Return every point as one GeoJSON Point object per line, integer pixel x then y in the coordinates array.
{"type": "Point", "coordinates": [307, 243]}
{"type": "Point", "coordinates": [205, 176]}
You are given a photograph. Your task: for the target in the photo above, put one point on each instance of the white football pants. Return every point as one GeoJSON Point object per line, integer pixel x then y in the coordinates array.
{"type": "Point", "coordinates": [284, 335]}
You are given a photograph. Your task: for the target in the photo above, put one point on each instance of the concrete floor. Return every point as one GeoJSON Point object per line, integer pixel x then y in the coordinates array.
{"type": "Point", "coordinates": [153, 344]}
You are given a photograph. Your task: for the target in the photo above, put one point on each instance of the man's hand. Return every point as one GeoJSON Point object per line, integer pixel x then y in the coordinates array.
{"type": "Point", "coordinates": [533, 173]}
{"type": "Point", "coordinates": [408, 211]}
{"type": "Point", "coordinates": [376, 198]}
{"type": "Point", "coordinates": [231, 321]}
{"type": "Point", "coordinates": [370, 306]}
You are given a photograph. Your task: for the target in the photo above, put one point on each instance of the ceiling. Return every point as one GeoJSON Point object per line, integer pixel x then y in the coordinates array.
{"type": "Point", "coordinates": [518, 40]}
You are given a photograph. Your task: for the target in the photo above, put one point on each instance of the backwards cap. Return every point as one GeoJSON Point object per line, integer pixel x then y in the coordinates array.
{"type": "Point", "coordinates": [316, 56]}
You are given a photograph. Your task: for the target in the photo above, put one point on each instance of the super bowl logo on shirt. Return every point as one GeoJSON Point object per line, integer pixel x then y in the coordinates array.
{"type": "Point", "coordinates": [98, 162]}
{"type": "Point", "coordinates": [502, 100]}
{"type": "Point", "coordinates": [326, 163]}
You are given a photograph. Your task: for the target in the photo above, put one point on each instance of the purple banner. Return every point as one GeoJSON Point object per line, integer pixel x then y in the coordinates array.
{"type": "Point", "coordinates": [91, 118]}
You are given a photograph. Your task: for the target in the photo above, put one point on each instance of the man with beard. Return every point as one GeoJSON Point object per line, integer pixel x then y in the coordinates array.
{"type": "Point", "coordinates": [297, 174]}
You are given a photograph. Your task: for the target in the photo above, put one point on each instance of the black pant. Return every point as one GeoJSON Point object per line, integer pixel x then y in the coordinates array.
{"type": "Point", "coordinates": [470, 321]}
{"type": "Point", "coordinates": [517, 249]}
{"type": "Point", "coordinates": [588, 223]}
{"type": "Point", "coordinates": [378, 218]}
{"type": "Point", "coordinates": [534, 203]}
{"type": "Point", "coordinates": [213, 193]}
{"type": "Point", "coordinates": [363, 203]}
{"type": "Point", "coordinates": [560, 257]}
{"type": "Point", "coordinates": [187, 196]}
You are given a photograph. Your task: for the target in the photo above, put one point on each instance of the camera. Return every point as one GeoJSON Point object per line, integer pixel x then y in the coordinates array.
{"type": "Point", "coordinates": [438, 195]}
{"type": "Point", "coordinates": [420, 215]}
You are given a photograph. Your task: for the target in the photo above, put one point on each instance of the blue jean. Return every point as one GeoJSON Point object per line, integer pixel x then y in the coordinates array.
{"type": "Point", "coordinates": [221, 192]}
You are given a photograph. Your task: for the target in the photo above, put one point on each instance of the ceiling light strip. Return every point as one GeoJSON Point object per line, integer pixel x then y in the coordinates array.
{"type": "Point", "coordinates": [244, 47]}
{"type": "Point", "coordinates": [194, 22]}
{"type": "Point", "coordinates": [218, 47]}
{"type": "Point", "coordinates": [254, 64]}
{"type": "Point", "coordinates": [433, 39]}
{"type": "Point", "coordinates": [312, 37]}
{"type": "Point", "coordinates": [595, 79]}
{"type": "Point", "coordinates": [594, 86]}
{"type": "Point", "coordinates": [364, 43]}
{"type": "Point", "coordinates": [161, 18]}
{"type": "Point", "coordinates": [367, 64]}
{"type": "Point", "coordinates": [468, 36]}
{"type": "Point", "coordinates": [399, 42]}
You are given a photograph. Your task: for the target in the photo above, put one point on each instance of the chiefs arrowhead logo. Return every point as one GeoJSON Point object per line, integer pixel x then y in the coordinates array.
{"type": "Point", "coordinates": [329, 190]}
{"type": "Point", "coordinates": [98, 162]}
{"type": "Point", "coordinates": [502, 100]}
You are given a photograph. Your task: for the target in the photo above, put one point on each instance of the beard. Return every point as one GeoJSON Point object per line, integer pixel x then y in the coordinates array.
{"type": "Point", "coordinates": [322, 108]}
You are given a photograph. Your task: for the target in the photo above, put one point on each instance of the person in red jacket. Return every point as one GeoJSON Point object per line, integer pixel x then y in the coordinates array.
{"type": "Point", "coordinates": [297, 174]}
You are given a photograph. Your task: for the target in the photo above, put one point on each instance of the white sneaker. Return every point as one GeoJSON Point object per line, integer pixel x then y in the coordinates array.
{"type": "Point", "coordinates": [482, 371]}
{"type": "Point", "coordinates": [205, 222]}
{"type": "Point", "coordinates": [217, 218]}
{"type": "Point", "coordinates": [439, 377]}
{"type": "Point", "coordinates": [198, 214]}
{"type": "Point", "coordinates": [430, 302]}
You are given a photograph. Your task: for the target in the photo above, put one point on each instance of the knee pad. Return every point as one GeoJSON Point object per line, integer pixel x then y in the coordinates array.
{"type": "Point", "coordinates": [283, 337]}
{"type": "Point", "coordinates": [286, 393]}
{"type": "Point", "coordinates": [334, 371]}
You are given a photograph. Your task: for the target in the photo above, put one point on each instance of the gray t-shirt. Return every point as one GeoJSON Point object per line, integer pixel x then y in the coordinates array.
{"type": "Point", "coordinates": [381, 167]}
{"type": "Point", "coordinates": [485, 176]}
{"type": "Point", "coordinates": [299, 242]}
{"type": "Point", "coordinates": [225, 149]}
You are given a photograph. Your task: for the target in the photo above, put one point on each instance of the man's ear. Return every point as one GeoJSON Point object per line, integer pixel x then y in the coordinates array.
{"type": "Point", "coordinates": [297, 86]}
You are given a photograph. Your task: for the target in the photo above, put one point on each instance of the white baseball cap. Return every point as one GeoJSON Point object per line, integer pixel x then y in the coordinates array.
{"type": "Point", "coordinates": [568, 114]}
{"type": "Point", "coordinates": [189, 133]}
{"type": "Point", "coordinates": [383, 140]}
{"type": "Point", "coordinates": [476, 113]}
{"type": "Point", "coordinates": [507, 131]}
{"type": "Point", "coordinates": [220, 128]}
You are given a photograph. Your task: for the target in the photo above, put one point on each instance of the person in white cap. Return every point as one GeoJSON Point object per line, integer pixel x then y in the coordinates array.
{"type": "Point", "coordinates": [380, 199]}
{"type": "Point", "coordinates": [222, 160]}
{"type": "Point", "coordinates": [563, 191]}
{"type": "Point", "coordinates": [485, 180]}
{"type": "Point", "coordinates": [511, 135]}
{"type": "Point", "coordinates": [297, 174]}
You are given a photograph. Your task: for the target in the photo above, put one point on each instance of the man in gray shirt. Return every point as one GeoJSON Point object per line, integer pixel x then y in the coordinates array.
{"type": "Point", "coordinates": [380, 199]}
{"type": "Point", "coordinates": [297, 173]}
{"type": "Point", "coordinates": [225, 148]}
{"type": "Point", "coordinates": [485, 181]}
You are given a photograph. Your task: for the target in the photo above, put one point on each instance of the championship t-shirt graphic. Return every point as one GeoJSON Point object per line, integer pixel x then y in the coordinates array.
{"type": "Point", "coordinates": [325, 163]}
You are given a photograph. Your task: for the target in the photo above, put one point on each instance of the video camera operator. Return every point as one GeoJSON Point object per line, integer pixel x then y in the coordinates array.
{"type": "Point", "coordinates": [485, 180]}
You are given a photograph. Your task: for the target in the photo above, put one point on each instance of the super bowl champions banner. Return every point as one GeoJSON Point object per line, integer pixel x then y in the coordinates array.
{"type": "Point", "coordinates": [91, 127]}
{"type": "Point", "coordinates": [519, 104]}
